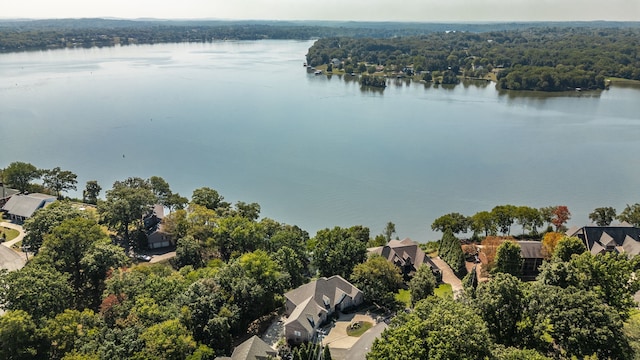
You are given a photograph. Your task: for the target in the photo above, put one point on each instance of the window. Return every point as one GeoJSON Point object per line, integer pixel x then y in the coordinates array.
{"type": "Point", "coordinates": [297, 333]}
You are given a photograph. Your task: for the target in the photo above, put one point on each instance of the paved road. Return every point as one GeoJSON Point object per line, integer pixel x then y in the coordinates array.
{"type": "Point", "coordinates": [10, 259]}
{"type": "Point", "coordinates": [449, 277]}
{"type": "Point", "coordinates": [158, 258]}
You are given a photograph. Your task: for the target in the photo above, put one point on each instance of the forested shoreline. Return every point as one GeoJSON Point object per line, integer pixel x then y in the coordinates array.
{"type": "Point", "coordinates": [543, 59]}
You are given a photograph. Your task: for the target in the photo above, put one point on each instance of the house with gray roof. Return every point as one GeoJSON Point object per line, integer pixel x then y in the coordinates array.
{"type": "Point", "coordinates": [6, 193]}
{"type": "Point", "coordinates": [22, 206]}
{"type": "Point", "coordinates": [252, 349]}
{"type": "Point", "coordinates": [310, 305]}
{"type": "Point", "coordinates": [532, 258]}
{"type": "Point", "coordinates": [622, 238]}
{"type": "Point", "coordinates": [407, 256]}
{"type": "Point", "coordinates": [157, 237]}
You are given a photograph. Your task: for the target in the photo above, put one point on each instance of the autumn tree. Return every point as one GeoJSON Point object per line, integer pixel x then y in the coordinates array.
{"type": "Point", "coordinates": [549, 243]}
{"type": "Point", "coordinates": [603, 216]}
{"type": "Point", "coordinates": [560, 216]}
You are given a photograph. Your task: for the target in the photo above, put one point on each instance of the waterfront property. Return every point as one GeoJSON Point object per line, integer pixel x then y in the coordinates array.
{"type": "Point", "coordinates": [252, 349]}
{"type": "Point", "coordinates": [407, 256]}
{"type": "Point", "coordinates": [310, 305]}
{"type": "Point", "coordinates": [22, 206]}
{"type": "Point", "coordinates": [623, 238]}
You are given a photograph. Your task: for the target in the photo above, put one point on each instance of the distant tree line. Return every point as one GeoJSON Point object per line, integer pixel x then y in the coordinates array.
{"type": "Point", "coordinates": [545, 59]}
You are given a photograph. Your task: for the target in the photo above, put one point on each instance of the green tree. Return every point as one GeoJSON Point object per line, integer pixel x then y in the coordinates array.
{"type": "Point", "coordinates": [69, 328]}
{"type": "Point", "coordinates": [631, 215]}
{"type": "Point", "coordinates": [18, 336]}
{"type": "Point", "coordinates": [378, 279]}
{"type": "Point", "coordinates": [500, 302]}
{"type": "Point", "coordinates": [603, 216]}
{"type": "Point", "coordinates": [42, 291]}
{"type": "Point", "coordinates": [508, 259]}
{"type": "Point", "coordinates": [547, 214]}
{"type": "Point", "coordinates": [389, 230]}
{"type": "Point", "coordinates": [504, 216]}
{"type": "Point", "coordinates": [236, 235]}
{"type": "Point", "coordinates": [209, 198]}
{"type": "Point", "coordinates": [451, 252]}
{"type": "Point", "coordinates": [249, 211]}
{"type": "Point", "coordinates": [567, 247]}
{"type": "Point", "coordinates": [168, 340]}
{"type": "Point", "coordinates": [80, 248]}
{"type": "Point", "coordinates": [59, 180]}
{"type": "Point", "coordinates": [176, 202]}
{"type": "Point", "coordinates": [569, 322]}
{"type": "Point", "coordinates": [125, 205]}
{"type": "Point", "coordinates": [326, 353]}
{"type": "Point", "coordinates": [45, 219]}
{"type": "Point", "coordinates": [483, 221]}
{"type": "Point", "coordinates": [423, 284]}
{"type": "Point", "coordinates": [337, 251]}
{"type": "Point", "coordinates": [290, 262]}
{"type": "Point", "coordinates": [511, 353]}
{"type": "Point", "coordinates": [188, 252]}
{"type": "Point", "coordinates": [19, 175]}
{"type": "Point", "coordinates": [455, 222]}
{"type": "Point", "coordinates": [434, 331]}
{"type": "Point", "coordinates": [91, 192]}
{"type": "Point", "coordinates": [528, 218]}
{"type": "Point", "coordinates": [161, 189]}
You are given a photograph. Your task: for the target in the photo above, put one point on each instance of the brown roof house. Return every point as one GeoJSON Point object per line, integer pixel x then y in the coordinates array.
{"type": "Point", "coordinates": [622, 238]}
{"type": "Point", "coordinates": [156, 236]}
{"type": "Point", "coordinates": [22, 206]}
{"type": "Point", "coordinates": [252, 349]}
{"type": "Point", "coordinates": [407, 256]}
{"type": "Point", "coordinates": [310, 305]}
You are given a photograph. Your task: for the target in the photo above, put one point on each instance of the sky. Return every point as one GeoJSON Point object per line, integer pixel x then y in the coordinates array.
{"type": "Point", "coordinates": [358, 10]}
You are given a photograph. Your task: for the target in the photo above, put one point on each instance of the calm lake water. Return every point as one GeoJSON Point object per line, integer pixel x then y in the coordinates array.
{"type": "Point", "coordinates": [246, 119]}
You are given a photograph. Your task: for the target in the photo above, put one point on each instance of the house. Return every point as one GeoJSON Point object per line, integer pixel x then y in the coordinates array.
{"type": "Point", "coordinates": [622, 238]}
{"type": "Point", "coordinates": [310, 305]}
{"type": "Point", "coordinates": [20, 207]}
{"type": "Point", "coordinates": [6, 194]}
{"type": "Point", "coordinates": [156, 236]}
{"type": "Point", "coordinates": [252, 349]}
{"type": "Point", "coordinates": [531, 254]}
{"type": "Point", "coordinates": [407, 256]}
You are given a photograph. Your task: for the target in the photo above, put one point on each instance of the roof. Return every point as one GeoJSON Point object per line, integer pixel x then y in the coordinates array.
{"type": "Point", "coordinates": [307, 314]}
{"type": "Point", "coordinates": [620, 238]}
{"type": "Point", "coordinates": [253, 349]}
{"type": "Point", "coordinates": [26, 205]}
{"type": "Point", "coordinates": [6, 192]}
{"type": "Point", "coordinates": [402, 252]}
{"type": "Point", "coordinates": [322, 289]}
{"type": "Point", "coordinates": [530, 249]}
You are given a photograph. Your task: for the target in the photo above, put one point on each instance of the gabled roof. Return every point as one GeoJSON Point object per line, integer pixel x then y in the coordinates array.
{"type": "Point", "coordinates": [530, 249]}
{"type": "Point", "coordinates": [622, 237]}
{"type": "Point", "coordinates": [6, 192]}
{"type": "Point", "coordinates": [307, 314]}
{"type": "Point", "coordinates": [403, 252]}
{"type": "Point", "coordinates": [253, 349]}
{"type": "Point", "coordinates": [25, 205]}
{"type": "Point", "coordinates": [332, 288]}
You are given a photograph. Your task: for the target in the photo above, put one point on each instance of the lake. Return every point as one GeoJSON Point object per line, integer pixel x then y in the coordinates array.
{"type": "Point", "coordinates": [247, 119]}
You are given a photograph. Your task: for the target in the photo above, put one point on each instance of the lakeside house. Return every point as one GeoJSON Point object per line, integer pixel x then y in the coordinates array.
{"type": "Point", "coordinates": [622, 238]}
{"type": "Point", "coordinates": [252, 349]}
{"type": "Point", "coordinates": [154, 229]}
{"type": "Point", "coordinates": [310, 305]}
{"type": "Point", "coordinates": [20, 207]}
{"type": "Point", "coordinates": [532, 258]}
{"type": "Point", "coordinates": [407, 255]}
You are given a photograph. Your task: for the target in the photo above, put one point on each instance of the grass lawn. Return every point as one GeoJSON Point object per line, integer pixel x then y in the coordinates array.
{"type": "Point", "coordinates": [7, 234]}
{"type": "Point", "coordinates": [404, 296]}
{"type": "Point", "coordinates": [444, 291]}
{"type": "Point", "coordinates": [361, 329]}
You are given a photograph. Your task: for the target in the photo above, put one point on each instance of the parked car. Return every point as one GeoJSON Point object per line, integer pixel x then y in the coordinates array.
{"type": "Point", "coordinates": [143, 257]}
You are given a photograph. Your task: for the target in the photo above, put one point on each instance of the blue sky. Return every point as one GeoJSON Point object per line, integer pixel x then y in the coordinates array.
{"type": "Point", "coordinates": [362, 10]}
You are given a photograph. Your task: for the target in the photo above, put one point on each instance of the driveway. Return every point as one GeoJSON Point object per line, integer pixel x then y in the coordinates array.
{"type": "Point", "coordinates": [448, 276]}
{"type": "Point", "coordinates": [341, 344]}
{"type": "Point", "coordinates": [10, 259]}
